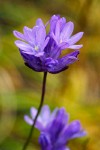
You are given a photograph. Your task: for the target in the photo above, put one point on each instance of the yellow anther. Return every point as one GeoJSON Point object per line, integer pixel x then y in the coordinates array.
{"type": "Point", "coordinates": [36, 48]}
{"type": "Point", "coordinates": [60, 40]}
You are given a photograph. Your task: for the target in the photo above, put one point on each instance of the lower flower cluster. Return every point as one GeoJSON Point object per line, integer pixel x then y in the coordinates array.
{"type": "Point", "coordinates": [55, 130]}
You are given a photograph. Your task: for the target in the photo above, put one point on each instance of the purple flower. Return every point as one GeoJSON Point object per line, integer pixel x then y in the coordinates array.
{"type": "Point", "coordinates": [43, 119]}
{"type": "Point", "coordinates": [42, 52]}
{"type": "Point", "coordinates": [61, 33]}
{"type": "Point", "coordinates": [35, 39]}
{"type": "Point", "coordinates": [55, 131]}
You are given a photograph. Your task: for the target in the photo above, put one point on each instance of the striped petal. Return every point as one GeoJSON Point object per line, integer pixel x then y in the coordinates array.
{"type": "Point", "coordinates": [75, 38]}
{"type": "Point", "coordinates": [19, 35]}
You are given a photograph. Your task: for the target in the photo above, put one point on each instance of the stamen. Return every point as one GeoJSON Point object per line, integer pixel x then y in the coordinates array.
{"type": "Point", "coordinates": [36, 48]}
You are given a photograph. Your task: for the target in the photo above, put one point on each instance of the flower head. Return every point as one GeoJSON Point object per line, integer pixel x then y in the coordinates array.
{"type": "Point", "coordinates": [55, 131]}
{"type": "Point", "coordinates": [61, 32]}
{"type": "Point", "coordinates": [33, 41]}
{"type": "Point", "coordinates": [42, 52]}
{"type": "Point", "coordinates": [43, 119]}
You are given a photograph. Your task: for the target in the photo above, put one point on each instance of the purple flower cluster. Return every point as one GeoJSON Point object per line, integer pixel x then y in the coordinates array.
{"type": "Point", "coordinates": [41, 51]}
{"type": "Point", "coordinates": [55, 131]}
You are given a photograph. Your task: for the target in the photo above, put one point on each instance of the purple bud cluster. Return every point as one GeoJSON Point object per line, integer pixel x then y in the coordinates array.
{"type": "Point", "coordinates": [55, 129]}
{"type": "Point", "coordinates": [42, 51]}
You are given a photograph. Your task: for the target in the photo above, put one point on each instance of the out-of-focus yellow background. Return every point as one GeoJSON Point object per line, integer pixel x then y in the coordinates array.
{"type": "Point", "coordinates": [77, 89]}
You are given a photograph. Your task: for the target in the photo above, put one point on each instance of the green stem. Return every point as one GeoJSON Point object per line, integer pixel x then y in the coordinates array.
{"type": "Point", "coordinates": [39, 109]}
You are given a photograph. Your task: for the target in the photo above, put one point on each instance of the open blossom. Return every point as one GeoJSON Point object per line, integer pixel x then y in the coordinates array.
{"type": "Point", "coordinates": [41, 51]}
{"type": "Point", "coordinates": [33, 41]}
{"type": "Point", "coordinates": [55, 131]}
{"type": "Point", "coordinates": [61, 32]}
{"type": "Point", "coordinates": [43, 119]}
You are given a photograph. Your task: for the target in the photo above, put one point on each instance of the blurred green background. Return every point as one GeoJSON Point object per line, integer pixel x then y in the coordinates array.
{"type": "Point", "coordinates": [77, 89]}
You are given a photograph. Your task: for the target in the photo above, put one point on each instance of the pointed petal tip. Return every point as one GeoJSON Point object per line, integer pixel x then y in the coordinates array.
{"type": "Point", "coordinates": [33, 112]}
{"type": "Point", "coordinates": [14, 32]}
{"type": "Point", "coordinates": [39, 22]}
{"type": "Point", "coordinates": [75, 46]}
{"type": "Point", "coordinates": [25, 27]}
{"type": "Point", "coordinates": [16, 42]}
{"type": "Point", "coordinates": [62, 109]}
{"type": "Point", "coordinates": [77, 52]}
{"type": "Point", "coordinates": [28, 120]}
{"type": "Point", "coordinates": [81, 33]}
{"type": "Point", "coordinates": [84, 133]}
{"type": "Point", "coordinates": [25, 117]}
{"type": "Point", "coordinates": [70, 22]}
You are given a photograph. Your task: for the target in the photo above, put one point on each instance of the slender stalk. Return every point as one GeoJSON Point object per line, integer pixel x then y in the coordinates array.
{"type": "Point", "coordinates": [39, 109]}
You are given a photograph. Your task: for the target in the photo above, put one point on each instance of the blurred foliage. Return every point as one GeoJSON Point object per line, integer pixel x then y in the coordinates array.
{"type": "Point", "coordinates": [77, 89]}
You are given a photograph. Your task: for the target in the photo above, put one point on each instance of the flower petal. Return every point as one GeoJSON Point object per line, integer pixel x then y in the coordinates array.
{"type": "Point", "coordinates": [56, 125]}
{"type": "Point", "coordinates": [45, 113]}
{"type": "Point", "coordinates": [39, 22]}
{"type": "Point", "coordinates": [54, 37]}
{"type": "Point", "coordinates": [53, 114]}
{"type": "Point", "coordinates": [53, 22]}
{"type": "Point", "coordinates": [40, 35]}
{"type": "Point", "coordinates": [63, 62]}
{"type": "Point", "coordinates": [33, 112]}
{"type": "Point", "coordinates": [24, 46]}
{"type": "Point", "coordinates": [75, 38]}
{"type": "Point", "coordinates": [69, 132]}
{"type": "Point", "coordinates": [32, 62]}
{"type": "Point", "coordinates": [79, 134]}
{"type": "Point", "coordinates": [19, 35]}
{"type": "Point", "coordinates": [45, 43]}
{"type": "Point", "coordinates": [57, 31]}
{"type": "Point", "coordinates": [75, 46]}
{"type": "Point", "coordinates": [28, 119]}
{"type": "Point", "coordinates": [67, 31]}
{"type": "Point", "coordinates": [45, 141]}
{"type": "Point", "coordinates": [29, 35]}
{"type": "Point", "coordinates": [68, 59]}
